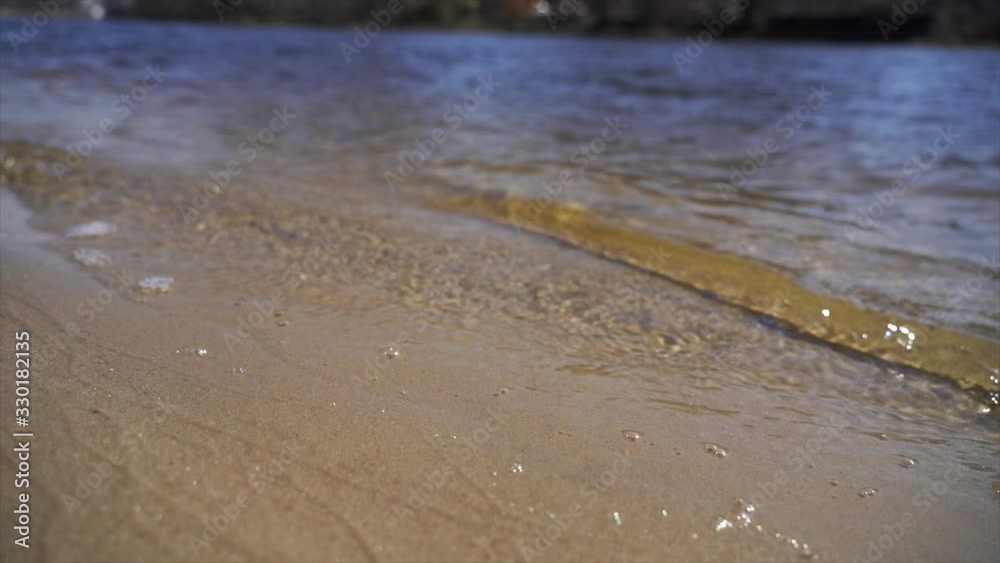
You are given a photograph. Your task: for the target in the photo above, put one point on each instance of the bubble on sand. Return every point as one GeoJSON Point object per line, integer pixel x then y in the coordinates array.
{"type": "Point", "coordinates": [805, 553]}
{"type": "Point", "coordinates": [715, 449]}
{"type": "Point", "coordinates": [91, 257]}
{"type": "Point", "coordinates": [907, 462]}
{"type": "Point", "coordinates": [745, 511]}
{"type": "Point", "coordinates": [867, 492]}
{"type": "Point", "coordinates": [156, 284]}
{"type": "Point", "coordinates": [631, 435]}
{"type": "Point", "coordinates": [92, 229]}
{"type": "Point", "coordinates": [391, 352]}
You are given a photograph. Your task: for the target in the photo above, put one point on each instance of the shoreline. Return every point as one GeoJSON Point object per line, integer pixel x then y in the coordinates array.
{"type": "Point", "coordinates": [447, 433]}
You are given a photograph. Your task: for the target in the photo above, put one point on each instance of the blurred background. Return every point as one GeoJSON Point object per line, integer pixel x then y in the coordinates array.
{"type": "Point", "coordinates": [936, 20]}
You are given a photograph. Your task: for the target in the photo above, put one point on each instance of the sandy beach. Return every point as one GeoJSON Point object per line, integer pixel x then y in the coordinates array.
{"type": "Point", "coordinates": [358, 433]}
{"type": "Point", "coordinates": [474, 296]}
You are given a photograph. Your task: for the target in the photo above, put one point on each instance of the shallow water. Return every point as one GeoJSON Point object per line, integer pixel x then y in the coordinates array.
{"type": "Point", "coordinates": [818, 200]}
{"type": "Point", "coordinates": [753, 317]}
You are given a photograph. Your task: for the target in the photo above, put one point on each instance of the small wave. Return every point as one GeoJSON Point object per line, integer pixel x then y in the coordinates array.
{"type": "Point", "coordinates": [967, 360]}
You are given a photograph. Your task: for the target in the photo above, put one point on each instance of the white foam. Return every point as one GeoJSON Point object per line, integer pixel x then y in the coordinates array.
{"type": "Point", "coordinates": [156, 284]}
{"type": "Point", "coordinates": [91, 257]}
{"type": "Point", "coordinates": [92, 229]}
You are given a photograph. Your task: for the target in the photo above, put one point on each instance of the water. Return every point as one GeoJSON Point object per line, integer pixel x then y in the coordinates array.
{"type": "Point", "coordinates": [91, 257]}
{"type": "Point", "coordinates": [867, 492]}
{"type": "Point", "coordinates": [156, 284]}
{"type": "Point", "coordinates": [640, 281]}
{"type": "Point", "coordinates": [669, 172]}
{"type": "Point", "coordinates": [715, 449]}
{"type": "Point", "coordinates": [601, 143]}
{"type": "Point", "coordinates": [92, 229]}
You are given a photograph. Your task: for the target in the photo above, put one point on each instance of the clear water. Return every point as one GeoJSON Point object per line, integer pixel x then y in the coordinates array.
{"type": "Point", "coordinates": [763, 326]}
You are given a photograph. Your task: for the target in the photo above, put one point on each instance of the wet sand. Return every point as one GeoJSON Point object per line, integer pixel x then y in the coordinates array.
{"type": "Point", "coordinates": [479, 361]}
{"type": "Point", "coordinates": [386, 408]}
